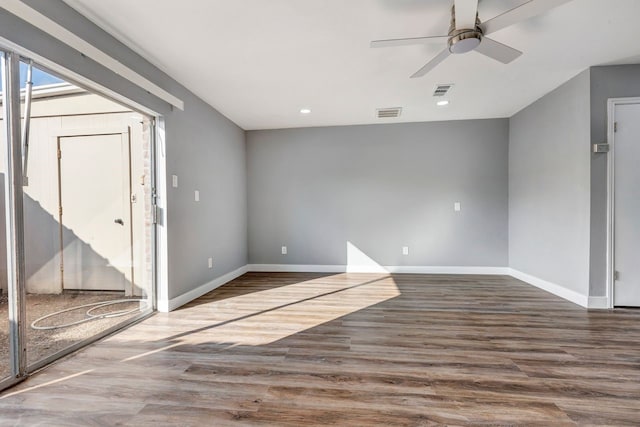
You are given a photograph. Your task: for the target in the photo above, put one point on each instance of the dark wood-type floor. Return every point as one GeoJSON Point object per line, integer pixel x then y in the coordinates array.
{"type": "Point", "coordinates": [351, 350]}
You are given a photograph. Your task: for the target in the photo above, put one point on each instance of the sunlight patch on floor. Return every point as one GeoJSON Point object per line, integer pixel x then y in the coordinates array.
{"type": "Point", "coordinates": [264, 327]}
{"type": "Point", "coordinates": [48, 383]}
{"type": "Point", "coordinates": [267, 316]}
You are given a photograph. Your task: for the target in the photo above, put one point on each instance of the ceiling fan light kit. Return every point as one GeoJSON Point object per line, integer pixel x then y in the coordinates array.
{"type": "Point", "coordinates": [463, 40]}
{"type": "Point", "coordinates": [468, 33]}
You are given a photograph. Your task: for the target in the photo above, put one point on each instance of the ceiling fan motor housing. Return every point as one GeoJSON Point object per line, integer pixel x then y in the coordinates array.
{"type": "Point", "coordinates": [463, 40]}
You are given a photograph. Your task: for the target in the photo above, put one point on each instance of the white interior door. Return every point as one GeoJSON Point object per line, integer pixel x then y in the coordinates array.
{"type": "Point", "coordinates": [95, 215]}
{"type": "Point", "coordinates": [627, 205]}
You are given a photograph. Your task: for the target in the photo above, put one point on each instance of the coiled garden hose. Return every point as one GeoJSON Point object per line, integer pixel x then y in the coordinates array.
{"type": "Point", "coordinates": [90, 316]}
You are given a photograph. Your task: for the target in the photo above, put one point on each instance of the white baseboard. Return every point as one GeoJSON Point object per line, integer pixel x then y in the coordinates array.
{"type": "Point", "coordinates": [405, 269]}
{"type": "Point", "coordinates": [561, 291]}
{"type": "Point", "coordinates": [297, 268]}
{"type": "Point", "coordinates": [173, 303]}
{"type": "Point", "coordinates": [601, 303]}
{"type": "Point", "coordinates": [401, 269]}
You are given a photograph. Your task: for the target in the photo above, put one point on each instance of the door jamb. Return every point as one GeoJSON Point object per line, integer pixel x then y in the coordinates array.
{"type": "Point", "coordinates": [612, 103]}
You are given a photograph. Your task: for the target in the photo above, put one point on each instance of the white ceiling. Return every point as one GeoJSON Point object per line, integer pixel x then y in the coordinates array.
{"type": "Point", "coordinates": [259, 62]}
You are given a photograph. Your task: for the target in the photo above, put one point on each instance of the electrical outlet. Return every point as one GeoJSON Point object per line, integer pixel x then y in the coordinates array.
{"type": "Point", "coordinates": [210, 262]}
{"type": "Point", "coordinates": [457, 207]}
{"type": "Point", "coordinates": [405, 250]}
{"type": "Point", "coordinates": [197, 196]}
{"type": "Point", "coordinates": [284, 250]}
{"type": "Point", "coordinates": [174, 181]}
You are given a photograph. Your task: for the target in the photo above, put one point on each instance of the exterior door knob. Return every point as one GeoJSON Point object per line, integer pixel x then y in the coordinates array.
{"type": "Point", "coordinates": [119, 221]}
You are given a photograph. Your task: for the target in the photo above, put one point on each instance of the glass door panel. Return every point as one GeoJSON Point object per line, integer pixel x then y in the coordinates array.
{"type": "Point", "coordinates": [87, 205]}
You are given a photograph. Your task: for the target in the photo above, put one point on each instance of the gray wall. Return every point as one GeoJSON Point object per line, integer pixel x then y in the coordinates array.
{"type": "Point", "coordinates": [205, 149]}
{"type": "Point", "coordinates": [380, 187]}
{"type": "Point", "coordinates": [549, 166]}
{"type": "Point", "coordinates": [207, 152]}
{"type": "Point", "coordinates": [606, 82]}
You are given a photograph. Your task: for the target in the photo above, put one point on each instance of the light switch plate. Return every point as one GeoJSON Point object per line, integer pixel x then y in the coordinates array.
{"type": "Point", "coordinates": [405, 250]}
{"type": "Point", "coordinates": [174, 181]}
{"type": "Point", "coordinates": [456, 206]}
{"type": "Point", "coordinates": [197, 196]}
{"type": "Point", "coordinates": [210, 262]}
{"type": "Point", "coordinates": [284, 250]}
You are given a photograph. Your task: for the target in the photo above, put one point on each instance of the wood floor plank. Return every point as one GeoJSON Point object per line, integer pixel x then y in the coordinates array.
{"type": "Point", "coordinates": [301, 349]}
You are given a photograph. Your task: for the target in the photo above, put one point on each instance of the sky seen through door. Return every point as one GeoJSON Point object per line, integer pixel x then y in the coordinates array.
{"type": "Point", "coordinates": [40, 78]}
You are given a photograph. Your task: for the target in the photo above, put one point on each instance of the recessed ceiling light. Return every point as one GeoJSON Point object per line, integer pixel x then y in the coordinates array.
{"type": "Point", "coordinates": [442, 103]}
{"type": "Point", "coordinates": [305, 111]}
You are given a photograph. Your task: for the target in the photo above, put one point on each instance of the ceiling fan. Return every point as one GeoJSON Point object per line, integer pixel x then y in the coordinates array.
{"type": "Point", "coordinates": [467, 32]}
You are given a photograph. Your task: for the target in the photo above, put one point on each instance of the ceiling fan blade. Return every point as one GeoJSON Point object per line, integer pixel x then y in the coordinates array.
{"type": "Point", "coordinates": [432, 64]}
{"type": "Point", "coordinates": [466, 12]}
{"type": "Point", "coordinates": [409, 41]}
{"type": "Point", "coordinates": [520, 13]}
{"type": "Point", "coordinates": [497, 51]}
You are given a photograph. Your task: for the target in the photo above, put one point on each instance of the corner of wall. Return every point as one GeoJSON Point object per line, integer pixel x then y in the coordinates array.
{"type": "Point", "coordinates": [557, 123]}
{"type": "Point", "coordinates": [166, 305]}
{"type": "Point", "coordinates": [554, 288]}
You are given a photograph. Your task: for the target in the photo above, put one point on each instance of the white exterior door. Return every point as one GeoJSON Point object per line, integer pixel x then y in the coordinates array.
{"type": "Point", "coordinates": [95, 212]}
{"type": "Point", "coordinates": [627, 205]}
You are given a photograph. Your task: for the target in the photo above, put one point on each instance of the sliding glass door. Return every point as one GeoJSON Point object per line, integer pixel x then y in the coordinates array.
{"type": "Point", "coordinates": [78, 183]}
